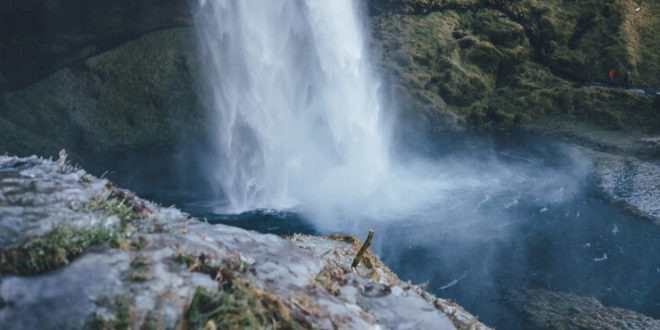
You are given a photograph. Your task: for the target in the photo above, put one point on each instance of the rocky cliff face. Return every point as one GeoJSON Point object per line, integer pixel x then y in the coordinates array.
{"type": "Point", "coordinates": [40, 37]}
{"type": "Point", "coordinates": [101, 79]}
{"type": "Point", "coordinates": [507, 64]}
{"type": "Point", "coordinates": [142, 95]}
{"type": "Point", "coordinates": [118, 77]}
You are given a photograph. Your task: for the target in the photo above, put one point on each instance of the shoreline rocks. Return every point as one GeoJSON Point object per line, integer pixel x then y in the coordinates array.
{"type": "Point", "coordinates": [632, 182]}
{"type": "Point", "coordinates": [559, 310]}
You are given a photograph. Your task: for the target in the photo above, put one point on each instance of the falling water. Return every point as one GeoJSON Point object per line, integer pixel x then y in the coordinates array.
{"type": "Point", "coordinates": [298, 118]}
{"type": "Point", "coordinates": [300, 125]}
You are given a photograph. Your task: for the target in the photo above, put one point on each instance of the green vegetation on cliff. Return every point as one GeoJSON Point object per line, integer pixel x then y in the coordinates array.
{"type": "Point", "coordinates": [453, 63]}
{"type": "Point", "coordinates": [143, 95]}
{"type": "Point", "coordinates": [39, 37]}
{"type": "Point", "coordinates": [505, 64]}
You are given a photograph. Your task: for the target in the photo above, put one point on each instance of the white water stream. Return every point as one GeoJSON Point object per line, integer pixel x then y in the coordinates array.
{"type": "Point", "coordinates": [299, 121]}
{"type": "Point", "coordinates": [300, 125]}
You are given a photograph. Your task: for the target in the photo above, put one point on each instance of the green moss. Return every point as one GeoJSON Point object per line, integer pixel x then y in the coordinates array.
{"type": "Point", "coordinates": [485, 56]}
{"type": "Point", "coordinates": [57, 248]}
{"type": "Point", "coordinates": [497, 28]}
{"type": "Point", "coordinates": [585, 39]}
{"type": "Point", "coordinates": [419, 6]}
{"type": "Point", "coordinates": [238, 305]}
{"type": "Point", "coordinates": [64, 243]}
{"type": "Point", "coordinates": [120, 307]}
{"type": "Point", "coordinates": [139, 270]}
{"type": "Point", "coordinates": [484, 62]}
{"type": "Point", "coordinates": [114, 206]}
{"type": "Point", "coordinates": [185, 259]}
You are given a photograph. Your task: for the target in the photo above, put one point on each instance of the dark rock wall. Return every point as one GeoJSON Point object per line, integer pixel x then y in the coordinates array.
{"type": "Point", "coordinates": [37, 37]}
{"type": "Point", "coordinates": [141, 96]}
{"type": "Point", "coordinates": [110, 81]}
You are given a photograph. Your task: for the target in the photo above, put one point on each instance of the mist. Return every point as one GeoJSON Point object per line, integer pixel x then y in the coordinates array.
{"type": "Point", "coordinates": [301, 134]}
{"type": "Point", "coordinates": [301, 127]}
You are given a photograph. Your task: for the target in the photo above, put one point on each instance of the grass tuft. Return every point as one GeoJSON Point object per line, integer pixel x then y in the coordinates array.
{"type": "Point", "coordinates": [238, 304]}
{"type": "Point", "coordinates": [56, 249]}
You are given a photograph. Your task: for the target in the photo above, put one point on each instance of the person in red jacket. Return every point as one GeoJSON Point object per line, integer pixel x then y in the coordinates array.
{"type": "Point", "coordinates": [612, 76]}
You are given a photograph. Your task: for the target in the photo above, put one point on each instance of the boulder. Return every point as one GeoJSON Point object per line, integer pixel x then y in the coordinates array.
{"type": "Point", "coordinates": [77, 252]}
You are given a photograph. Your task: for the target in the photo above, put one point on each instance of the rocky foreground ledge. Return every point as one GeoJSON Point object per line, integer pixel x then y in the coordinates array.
{"type": "Point", "coordinates": [76, 252]}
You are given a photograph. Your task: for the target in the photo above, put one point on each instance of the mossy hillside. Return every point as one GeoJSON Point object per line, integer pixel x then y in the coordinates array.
{"type": "Point", "coordinates": [443, 63]}
{"type": "Point", "coordinates": [141, 95]}
{"type": "Point", "coordinates": [483, 62]}
{"type": "Point", "coordinates": [585, 39]}
{"type": "Point", "coordinates": [614, 109]}
{"type": "Point", "coordinates": [419, 6]}
{"type": "Point", "coordinates": [18, 140]}
{"type": "Point", "coordinates": [40, 38]}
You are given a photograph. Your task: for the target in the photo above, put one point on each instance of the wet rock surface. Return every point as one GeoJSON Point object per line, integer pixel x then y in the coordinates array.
{"type": "Point", "coordinates": [381, 289]}
{"type": "Point", "coordinates": [559, 310]}
{"type": "Point", "coordinates": [157, 266]}
{"type": "Point", "coordinates": [31, 206]}
{"type": "Point", "coordinates": [515, 64]}
{"type": "Point", "coordinates": [631, 181]}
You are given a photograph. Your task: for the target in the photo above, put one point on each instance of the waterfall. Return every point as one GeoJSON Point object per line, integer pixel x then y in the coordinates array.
{"type": "Point", "coordinates": [299, 125]}
{"type": "Point", "coordinates": [298, 118]}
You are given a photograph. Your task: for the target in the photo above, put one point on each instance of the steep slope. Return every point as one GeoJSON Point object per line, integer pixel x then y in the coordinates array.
{"type": "Point", "coordinates": [507, 64]}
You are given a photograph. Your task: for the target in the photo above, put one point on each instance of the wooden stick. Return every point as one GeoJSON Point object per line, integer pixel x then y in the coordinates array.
{"type": "Point", "coordinates": [363, 249]}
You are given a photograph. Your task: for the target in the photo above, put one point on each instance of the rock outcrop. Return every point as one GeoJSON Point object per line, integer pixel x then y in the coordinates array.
{"type": "Point", "coordinates": [630, 181]}
{"type": "Point", "coordinates": [40, 37]}
{"type": "Point", "coordinates": [507, 64]}
{"type": "Point", "coordinates": [558, 310]}
{"type": "Point", "coordinates": [76, 252]}
{"type": "Point", "coordinates": [143, 95]}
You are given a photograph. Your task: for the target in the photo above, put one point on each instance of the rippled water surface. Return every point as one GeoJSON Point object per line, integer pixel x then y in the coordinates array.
{"type": "Point", "coordinates": [515, 214]}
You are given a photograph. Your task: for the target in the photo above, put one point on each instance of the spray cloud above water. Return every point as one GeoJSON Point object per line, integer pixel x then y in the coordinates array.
{"type": "Point", "coordinates": [300, 126]}
{"type": "Point", "coordinates": [299, 121]}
